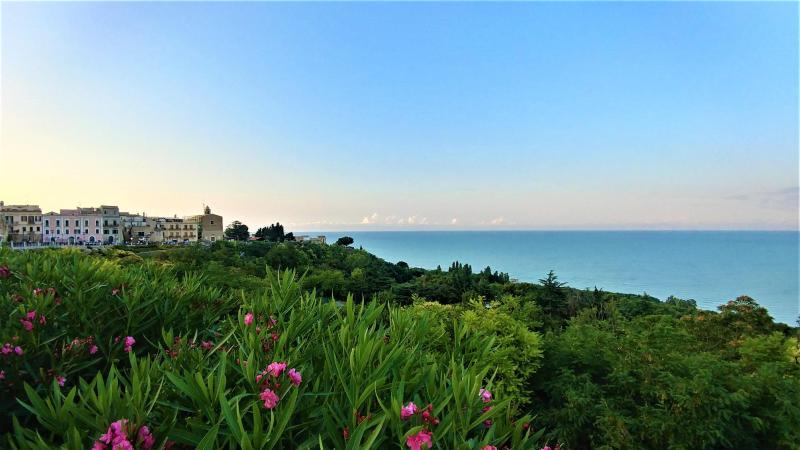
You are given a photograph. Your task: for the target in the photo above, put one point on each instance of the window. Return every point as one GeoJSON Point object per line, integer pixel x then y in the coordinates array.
{"type": "Point", "coordinates": [58, 222]}
{"type": "Point", "coordinates": [66, 231]}
{"type": "Point", "coordinates": [96, 231]}
{"type": "Point", "coordinates": [66, 223]}
{"type": "Point", "coordinates": [38, 229]}
{"type": "Point", "coordinates": [24, 229]}
{"type": "Point", "coordinates": [85, 231]}
{"type": "Point", "coordinates": [212, 222]}
{"type": "Point", "coordinates": [23, 218]}
{"type": "Point", "coordinates": [105, 231]}
{"type": "Point", "coordinates": [97, 223]}
{"type": "Point", "coordinates": [47, 222]}
{"type": "Point", "coordinates": [105, 223]}
{"type": "Point", "coordinates": [86, 223]}
{"type": "Point", "coordinates": [115, 231]}
{"type": "Point", "coordinates": [46, 231]}
{"type": "Point", "coordinates": [58, 231]}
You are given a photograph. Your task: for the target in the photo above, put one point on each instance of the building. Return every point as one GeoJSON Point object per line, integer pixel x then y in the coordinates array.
{"type": "Point", "coordinates": [311, 240]}
{"type": "Point", "coordinates": [112, 224]}
{"type": "Point", "coordinates": [210, 226]}
{"type": "Point", "coordinates": [3, 231]}
{"type": "Point", "coordinates": [140, 229]}
{"type": "Point", "coordinates": [72, 226]}
{"type": "Point", "coordinates": [177, 230]}
{"type": "Point", "coordinates": [22, 222]}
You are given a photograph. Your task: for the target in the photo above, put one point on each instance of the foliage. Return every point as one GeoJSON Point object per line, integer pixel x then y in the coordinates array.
{"type": "Point", "coordinates": [237, 231]}
{"type": "Point", "coordinates": [193, 364]}
{"type": "Point", "coordinates": [344, 241]}
{"type": "Point", "coordinates": [586, 368]}
{"type": "Point", "coordinates": [272, 233]}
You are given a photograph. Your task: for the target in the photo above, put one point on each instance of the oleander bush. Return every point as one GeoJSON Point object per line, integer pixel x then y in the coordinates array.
{"type": "Point", "coordinates": [113, 351]}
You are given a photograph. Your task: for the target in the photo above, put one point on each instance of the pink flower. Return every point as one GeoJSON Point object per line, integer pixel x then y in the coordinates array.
{"type": "Point", "coordinates": [61, 379]}
{"type": "Point", "coordinates": [92, 349]}
{"type": "Point", "coordinates": [276, 369]}
{"type": "Point", "coordinates": [6, 349]}
{"type": "Point", "coordinates": [546, 447]}
{"type": "Point", "coordinates": [295, 376]}
{"type": "Point", "coordinates": [485, 395]}
{"type": "Point", "coordinates": [129, 341]}
{"type": "Point", "coordinates": [248, 319]}
{"type": "Point", "coordinates": [207, 345]}
{"type": "Point", "coordinates": [415, 441]}
{"type": "Point", "coordinates": [4, 272]}
{"type": "Point", "coordinates": [407, 411]}
{"type": "Point", "coordinates": [42, 319]}
{"type": "Point", "coordinates": [18, 350]}
{"type": "Point", "coordinates": [31, 315]}
{"type": "Point", "coordinates": [270, 398]}
{"type": "Point", "coordinates": [146, 438]}
{"type": "Point", "coordinates": [28, 325]}
{"type": "Point", "coordinates": [489, 447]}
{"type": "Point", "coordinates": [2, 374]}
{"type": "Point", "coordinates": [115, 436]}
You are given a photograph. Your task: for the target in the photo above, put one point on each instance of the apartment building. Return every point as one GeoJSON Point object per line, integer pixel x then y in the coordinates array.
{"type": "Point", "coordinates": [23, 223]}
{"type": "Point", "coordinates": [180, 229]}
{"type": "Point", "coordinates": [140, 229]}
{"type": "Point", "coordinates": [112, 224]}
{"type": "Point", "coordinates": [72, 226]}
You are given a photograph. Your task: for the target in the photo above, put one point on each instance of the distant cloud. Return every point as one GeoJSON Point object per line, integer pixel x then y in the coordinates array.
{"type": "Point", "coordinates": [786, 198]}
{"type": "Point", "coordinates": [454, 221]}
{"type": "Point", "coordinates": [497, 221]}
{"type": "Point", "coordinates": [370, 219]}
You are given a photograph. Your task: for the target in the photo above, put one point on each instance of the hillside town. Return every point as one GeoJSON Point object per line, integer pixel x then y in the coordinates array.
{"type": "Point", "coordinates": [105, 224]}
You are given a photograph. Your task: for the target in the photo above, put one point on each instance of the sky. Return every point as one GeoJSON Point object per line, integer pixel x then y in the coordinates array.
{"type": "Point", "coordinates": [384, 116]}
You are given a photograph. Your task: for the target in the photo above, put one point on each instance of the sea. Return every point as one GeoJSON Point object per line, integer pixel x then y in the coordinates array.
{"type": "Point", "coordinates": [710, 267]}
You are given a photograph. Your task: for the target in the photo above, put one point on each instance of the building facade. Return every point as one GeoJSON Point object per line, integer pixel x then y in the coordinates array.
{"type": "Point", "coordinates": [210, 226]}
{"type": "Point", "coordinates": [73, 226]}
{"type": "Point", "coordinates": [178, 230]}
{"type": "Point", "coordinates": [112, 224]}
{"type": "Point", "coordinates": [23, 223]}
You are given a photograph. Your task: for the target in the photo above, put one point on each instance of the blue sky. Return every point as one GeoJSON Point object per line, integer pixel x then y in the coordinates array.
{"type": "Point", "coordinates": [409, 115]}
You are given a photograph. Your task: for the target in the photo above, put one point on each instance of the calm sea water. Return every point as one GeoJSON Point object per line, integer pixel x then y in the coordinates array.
{"type": "Point", "coordinates": [709, 267]}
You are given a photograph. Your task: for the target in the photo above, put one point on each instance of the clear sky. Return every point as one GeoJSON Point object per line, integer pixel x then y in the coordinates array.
{"type": "Point", "coordinates": [407, 115]}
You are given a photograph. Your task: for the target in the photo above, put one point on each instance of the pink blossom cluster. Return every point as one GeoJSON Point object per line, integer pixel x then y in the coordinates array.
{"type": "Point", "coordinates": [250, 318]}
{"type": "Point", "coordinates": [79, 343]}
{"type": "Point", "coordinates": [424, 436]}
{"type": "Point", "coordinates": [116, 438]}
{"type": "Point", "coordinates": [29, 320]}
{"type": "Point", "coordinates": [10, 349]}
{"type": "Point", "coordinates": [269, 379]}
{"type": "Point", "coordinates": [5, 272]}
{"type": "Point", "coordinates": [127, 343]}
{"type": "Point", "coordinates": [416, 441]}
{"type": "Point", "coordinates": [486, 397]}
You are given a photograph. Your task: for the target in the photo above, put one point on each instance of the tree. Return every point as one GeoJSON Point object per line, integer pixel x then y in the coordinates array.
{"type": "Point", "coordinates": [344, 241]}
{"type": "Point", "coordinates": [237, 231]}
{"type": "Point", "coordinates": [553, 299]}
{"type": "Point", "coordinates": [273, 233]}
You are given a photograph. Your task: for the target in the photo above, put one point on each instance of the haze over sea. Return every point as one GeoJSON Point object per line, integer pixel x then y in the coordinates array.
{"type": "Point", "coordinates": [710, 267]}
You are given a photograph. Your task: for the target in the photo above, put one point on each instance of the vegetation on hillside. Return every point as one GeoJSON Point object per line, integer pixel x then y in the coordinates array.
{"type": "Point", "coordinates": [289, 345]}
